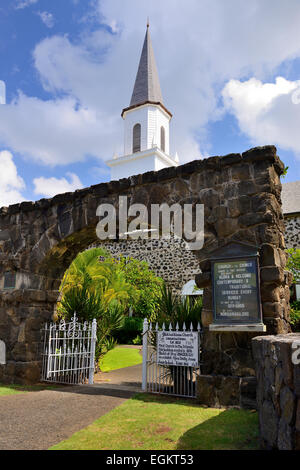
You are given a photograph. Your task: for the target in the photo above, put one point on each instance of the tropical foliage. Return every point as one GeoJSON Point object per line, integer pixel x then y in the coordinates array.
{"type": "Point", "coordinates": [173, 309]}
{"type": "Point", "coordinates": [90, 304]}
{"type": "Point", "coordinates": [131, 331]}
{"type": "Point", "coordinates": [295, 316]}
{"type": "Point", "coordinates": [293, 263]}
{"type": "Point", "coordinates": [95, 271]}
{"type": "Point", "coordinates": [99, 286]}
{"type": "Point", "coordinates": [147, 284]}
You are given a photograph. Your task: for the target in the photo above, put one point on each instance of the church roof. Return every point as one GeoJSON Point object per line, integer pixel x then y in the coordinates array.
{"type": "Point", "coordinates": [290, 197]}
{"type": "Point", "coordinates": [147, 86]}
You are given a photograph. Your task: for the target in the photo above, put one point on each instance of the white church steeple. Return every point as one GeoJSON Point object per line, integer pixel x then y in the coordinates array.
{"type": "Point", "coordinates": [146, 123]}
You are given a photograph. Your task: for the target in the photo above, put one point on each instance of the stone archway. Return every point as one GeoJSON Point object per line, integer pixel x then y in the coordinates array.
{"type": "Point", "coordinates": [38, 241]}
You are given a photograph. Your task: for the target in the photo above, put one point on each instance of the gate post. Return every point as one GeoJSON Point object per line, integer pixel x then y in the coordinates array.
{"type": "Point", "coordinates": [145, 354]}
{"type": "Point", "coordinates": [93, 349]}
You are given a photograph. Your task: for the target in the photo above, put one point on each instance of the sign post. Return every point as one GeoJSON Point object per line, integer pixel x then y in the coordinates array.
{"type": "Point", "coordinates": [178, 348]}
{"type": "Point", "coordinates": [236, 292]}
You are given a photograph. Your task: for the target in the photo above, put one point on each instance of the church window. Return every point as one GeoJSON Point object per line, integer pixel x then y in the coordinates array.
{"type": "Point", "coordinates": [136, 140]}
{"type": "Point", "coordinates": [163, 139]}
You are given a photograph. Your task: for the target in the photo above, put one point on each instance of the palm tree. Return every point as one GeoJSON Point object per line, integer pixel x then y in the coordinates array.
{"type": "Point", "coordinates": [88, 272]}
{"type": "Point", "coordinates": [84, 269]}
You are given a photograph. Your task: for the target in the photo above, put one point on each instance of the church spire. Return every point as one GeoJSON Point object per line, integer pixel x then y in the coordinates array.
{"type": "Point", "coordinates": [147, 86]}
{"type": "Point", "coordinates": [146, 123]}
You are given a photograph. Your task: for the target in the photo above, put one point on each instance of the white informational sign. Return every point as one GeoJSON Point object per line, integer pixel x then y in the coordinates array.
{"type": "Point", "coordinates": [2, 353]}
{"type": "Point", "coordinates": [178, 348]}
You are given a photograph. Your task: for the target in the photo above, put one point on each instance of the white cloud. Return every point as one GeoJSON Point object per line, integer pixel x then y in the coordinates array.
{"type": "Point", "coordinates": [47, 18]}
{"type": "Point", "coordinates": [11, 184]}
{"type": "Point", "coordinates": [266, 112]}
{"type": "Point", "coordinates": [114, 26]}
{"type": "Point", "coordinates": [198, 49]}
{"type": "Point", "coordinates": [49, 187]}
{"type": "Point", "coordinates": [2, 92]}
{"type": "Point", "coordinates": [55, 132]}
{"type": "Point", "coordinates": [24, 3]}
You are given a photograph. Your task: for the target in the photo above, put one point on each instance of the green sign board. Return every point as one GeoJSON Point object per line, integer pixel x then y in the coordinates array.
{"type": "Point", "coordinates": [236, 294]}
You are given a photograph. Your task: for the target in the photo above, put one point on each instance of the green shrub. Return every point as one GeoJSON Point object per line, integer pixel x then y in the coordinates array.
{"type": "Point", "coordinates": [173, 309]}
{"type": "Point", "coordinates": [295, 315]}
{"type": "Point", "coordinates": [89, 305]}
{"type": "Point", "coordinates": [131, 328]}
{"type": "Point", "coordinates": [137, 340]}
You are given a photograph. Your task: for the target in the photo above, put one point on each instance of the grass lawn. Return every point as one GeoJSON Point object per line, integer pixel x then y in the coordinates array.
{"type": "Point", "coordinates": [152, 422]}
{"type": "Point", "coordinates": [16, 389]}
{"type": "Point", "coordinates": [118, 358]}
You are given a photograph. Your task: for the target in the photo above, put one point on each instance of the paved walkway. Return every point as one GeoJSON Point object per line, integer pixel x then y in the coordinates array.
{"type": "Point", "coordinates": [129, 378]}
{"type": "Point", "coordinates": [38, 420]}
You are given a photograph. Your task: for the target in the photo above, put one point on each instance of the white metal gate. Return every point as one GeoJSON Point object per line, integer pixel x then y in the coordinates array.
{"type": "Point", "coordinates": [69, 352]}
{"type": "Point", "coordinates": [168, 378]}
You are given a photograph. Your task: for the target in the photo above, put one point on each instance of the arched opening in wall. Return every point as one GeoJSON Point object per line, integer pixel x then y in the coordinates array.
{"type": "Point", "coordinates": [136, 138]}
{"type": "Point", "coordinates": [119, 292]}
{"type": "Point", "coordinates": [124, 275]}
{"type": "Point", "coordinates": [163, 139]}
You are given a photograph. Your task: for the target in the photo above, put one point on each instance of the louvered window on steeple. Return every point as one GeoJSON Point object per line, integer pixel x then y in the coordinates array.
{"type": "Point", "coordinates": [163, 139]}
{"type": "Point", "coordinates": [136, 141]}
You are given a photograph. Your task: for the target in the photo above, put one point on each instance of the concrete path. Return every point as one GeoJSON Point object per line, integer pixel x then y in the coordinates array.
{"type": "Point", "coordinates": [38, 420]}
{"type": "Point", "coordinates": [125, 379]}
{"type": "Point", "coordinates": [129, 378]}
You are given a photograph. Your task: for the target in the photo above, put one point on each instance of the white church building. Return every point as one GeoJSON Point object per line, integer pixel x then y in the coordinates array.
{"type": "Point", "coordinates": [146, 123]}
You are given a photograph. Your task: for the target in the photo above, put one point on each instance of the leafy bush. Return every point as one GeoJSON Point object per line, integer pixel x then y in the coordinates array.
{"type": "Point", "coordinates": [295, 315]}
{"type": "Point", "coordinates": [89, 305]}
{"type": "Point", "coordinates": [130, 329]}
{"type": "Point", "coordinates": [173, 309]}
{"type": "Point", "coordinates": [109, 344]}
{"type": "Point", "coordinates": [293, 263]}
{"type": "Point", "coordinates": [137, 340]}
{"type": "Point", "coordinates": [145, 282]}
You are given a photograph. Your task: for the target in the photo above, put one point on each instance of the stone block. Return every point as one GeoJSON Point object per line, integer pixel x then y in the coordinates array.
{"type": "Point", "coordinates": [203, 279]}
{"type": "Point", "coordinates": [230, 159]}
{"type": "Point", "coordinates": [270, 293]}
{"type": "Point", "coordinates": [52, 296]}
{"type": "Point", "coordinates": [260, 154]}
{"type": "Point", "coordinates": [242, 364]}
{"type": "Point", "coordinates": [206, 317]}
{"type": "Point", "coordinates": [216, 362]}
{"type": "Point", "coordinates": [36, 295]}
{"type": "Point", "coordinates": [206, 392]}
{"type": "Point", "coordinates": [272, 309]}
{"type": "Point", "coordinates": [228, 393]}
{"type": "Point", "coordinates": [269, 255]}
{"type": "Point", "coordinates": [284, 436]}
{"type": "Point", "coordinates": [287, 405]}
{"type": "Point", "coordinates": [296, 374]}
{"type": "Point", "coordinates": [226, 226]}
{"type": "Point", "coordinates": [285, 354]}
{"type": "Point", "coordinates": [272, 275]}
{"type": "Point", "coordinates": [248, 392]}
{"type": "Point", "coordinates": [269, 423]}
{"type": "Point", "coordinates": [297, 423]}
{"type": "Point", "coordinates": [27, 372]}
{"type": "Point", "coordinates": [240, 172]}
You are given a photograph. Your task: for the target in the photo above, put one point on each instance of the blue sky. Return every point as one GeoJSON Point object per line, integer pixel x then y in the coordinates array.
{"type": "Point", "coordinates": [229, 71]}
